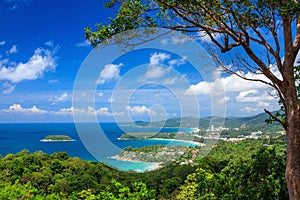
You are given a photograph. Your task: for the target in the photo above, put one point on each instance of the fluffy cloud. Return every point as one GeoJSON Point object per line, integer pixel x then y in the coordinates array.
{"type": "Point", "coordinates": [2, 43]}
{"type": "Point", "coordinates": [154, 70]}
{"type": "Point", "coordinates": [12, 50]}
{"type": "Point", "coordinates": [42, 61]}
{"type": "Point", "coordinates": [248, 109]}
{"type": "Point", "coordinates": [157, 58]}
{"type": "Point", "coordinates": [103, 111]}
{"type": "Point", "coordinates": [8, 88]}
{"type": "Point", "coordinates": [62, 98]}
{"type": "Point", "coordinates": [253, 96]}
{"type": "Point", "coordinates": [177, 62]}
{"type": "Point", "coordinates": [230, 83]}
{"type": "Point", "coordinates": [170, 81]}
{"type": "Point", "coordinates": [17, 108]}
{"type": "Point", "coordinates": [140, 110]}
{"type": "Point", "coordinates": [223, 100]}
{"type": "Point", "coordinates": [110, 72]}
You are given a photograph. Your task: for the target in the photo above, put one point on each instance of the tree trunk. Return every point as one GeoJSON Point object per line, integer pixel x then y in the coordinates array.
{"type": "Point", "coordinates": [293, 151]}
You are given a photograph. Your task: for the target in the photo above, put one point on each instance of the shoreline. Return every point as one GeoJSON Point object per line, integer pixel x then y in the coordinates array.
{"type": "Point", "coordinates": [178, 140]}
{"type": "Point", "coordinates": [154, 165]}
{"type": "Point", "coordinates": [49, 140]}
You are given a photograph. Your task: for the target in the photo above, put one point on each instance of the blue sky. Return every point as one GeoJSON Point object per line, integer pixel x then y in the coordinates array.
{"type": "Point", "coordinates": [42, 47]}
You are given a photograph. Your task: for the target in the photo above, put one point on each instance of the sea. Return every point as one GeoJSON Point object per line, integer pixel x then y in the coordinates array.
{"type": "Point", "coordinates": [15, 137]}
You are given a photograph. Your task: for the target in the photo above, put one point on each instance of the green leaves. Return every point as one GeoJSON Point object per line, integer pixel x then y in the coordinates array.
{"type": "Point", "coordinates": [258, 177]}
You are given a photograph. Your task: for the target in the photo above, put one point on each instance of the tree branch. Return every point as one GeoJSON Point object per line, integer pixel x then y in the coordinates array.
{"type": "Point", "coordinates": [276, 118]}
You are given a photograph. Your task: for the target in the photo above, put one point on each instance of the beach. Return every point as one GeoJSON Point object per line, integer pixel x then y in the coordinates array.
{"type": "Point", "coordinates": [182, 142]}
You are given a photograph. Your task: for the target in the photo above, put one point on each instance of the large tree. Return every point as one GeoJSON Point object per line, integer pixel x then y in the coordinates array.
{"type": "Point", "coordinates": [267, 31]}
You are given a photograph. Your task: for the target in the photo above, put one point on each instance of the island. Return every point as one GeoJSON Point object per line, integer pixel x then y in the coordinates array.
{"type": "Point", "coordinates": [57, 138]}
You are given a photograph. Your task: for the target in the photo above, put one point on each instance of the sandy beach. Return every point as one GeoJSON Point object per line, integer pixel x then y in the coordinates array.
{"type": "Point", "coordinates": [178, 140]}
{"type": "Point", "coordinates": [153, 166]}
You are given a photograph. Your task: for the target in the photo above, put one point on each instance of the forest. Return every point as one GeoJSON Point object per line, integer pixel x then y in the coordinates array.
{"type": "Point", "coordinates": [250, 169]}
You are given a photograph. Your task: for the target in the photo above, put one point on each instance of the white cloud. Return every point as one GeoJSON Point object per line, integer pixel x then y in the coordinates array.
{"type": "Point", "coordinates": [41, 62]}
{"type": "Point", "coordinates": [140, 110]}
{"type": "Point", "coordinates": [248, 109]}
{"type": "Point", "coordinates": [100, 94]}
{"type": "Point", "coordinates": [263, 104]}
{"type": "Point", "coordinates": [170, 81]}
{"type": "Point", "coordinates": [4, 62]}
{"type": "Point", "coordinates": [103, 111]}
{"type": "Point", "coordinates": [2, 43]}
{"type": "Point", "coordinates": [62, 98]}
{"type": "Point", "coordinates": [84, 43]}
{"type": "Point", "coordinates": [203, 36]}
{"type": "Point", "coordinates": [231, 83]}
{"type": "Point", "coordinates": [49, 43]}
{"type": "Point", "coordinates": [110, 71]}
{"type": "Point", "coordinates": [253, 96]}
{"type": "Point", "coordinates": [12, 50]}
{"type": "Point", "coordinates": [8, 88]}
{"type": "Point", "coordinates": [297, 60]}
{"type": "Point", "coordinates": [154, 70]}
{"type": "Point", "coordinates": [157, 58]}
{"type": "Point", "coordinates": [66, 111]}
{"type": "Point", "coordinates": [111, 99]}
{"type": "Point", "coordinates": [223, 100]}
{"type": "Point", "coordinates": [17, 108]}
{"type": "Point", "coordinates": [177, 62]}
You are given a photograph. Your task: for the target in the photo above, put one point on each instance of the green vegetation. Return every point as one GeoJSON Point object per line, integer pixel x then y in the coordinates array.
{"type": "Point", "coordinates": [242, 30]}
{"type": "Point", "coordinates": [161, 154]}
{"type": "Point", "coordinates": [246, 170]}
{"type": "Point", "coordinates": [254, 123]}
{"type": "Point", "coordinates": [169, 135]}
{"type": "Point", "coordinates": [57, 138]}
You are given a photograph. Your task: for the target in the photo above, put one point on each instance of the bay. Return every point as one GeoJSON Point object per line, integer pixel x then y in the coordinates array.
{"type": "Point", "coordinates": [15, 137]}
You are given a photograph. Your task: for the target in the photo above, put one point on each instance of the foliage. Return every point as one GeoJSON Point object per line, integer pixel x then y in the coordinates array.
{"type": "Point", "coordinates": [58, 137]}
{"type": "Point", "coordinates": [258, 177]}
{"type": "Point", "coordinates": [246, 170]}
{"type": "Point", "coordinates": [58, 176]}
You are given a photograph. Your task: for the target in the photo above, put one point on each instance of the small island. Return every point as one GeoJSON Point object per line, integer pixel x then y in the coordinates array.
{"type": "Point", "coordinates": [57, 138]}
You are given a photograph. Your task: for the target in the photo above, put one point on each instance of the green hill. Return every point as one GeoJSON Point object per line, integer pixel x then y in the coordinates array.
{"type": "Point", "coordinates": [253, 122]}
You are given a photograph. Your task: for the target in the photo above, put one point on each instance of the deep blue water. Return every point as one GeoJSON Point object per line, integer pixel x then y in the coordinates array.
{"type": "Point", "coordinates": [17, 137]}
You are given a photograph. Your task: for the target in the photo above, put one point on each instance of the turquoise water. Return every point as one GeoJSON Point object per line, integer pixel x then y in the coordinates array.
{"type": "Point", "coordinates": [17, 137]}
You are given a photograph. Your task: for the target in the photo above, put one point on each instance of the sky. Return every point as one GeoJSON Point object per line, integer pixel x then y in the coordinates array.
{"type": "Point", "coordinates": [43, 54]}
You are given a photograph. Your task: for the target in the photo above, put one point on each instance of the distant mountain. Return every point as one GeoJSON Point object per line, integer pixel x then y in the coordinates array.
{"type": "Point", "coordinates": [205, 122]}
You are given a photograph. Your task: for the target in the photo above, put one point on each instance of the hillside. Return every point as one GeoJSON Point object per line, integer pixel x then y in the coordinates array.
{"type": "Point", "coordinates": [254, 122]}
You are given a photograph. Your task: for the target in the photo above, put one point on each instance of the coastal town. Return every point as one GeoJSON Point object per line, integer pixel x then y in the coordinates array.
{"type": "Point", "coordinates": [200, 140]}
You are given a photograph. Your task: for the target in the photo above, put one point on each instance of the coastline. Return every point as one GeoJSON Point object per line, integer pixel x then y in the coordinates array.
{"type": "Point", "coordinates": [151, 165]}
{"type": "Point", "coordinates": [49, 140]}
{"type": "Point", "coordinates": [178, 140]}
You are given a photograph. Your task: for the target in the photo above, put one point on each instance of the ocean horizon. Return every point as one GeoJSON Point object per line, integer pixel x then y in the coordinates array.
{"type": "Point", "coordinates": [15, 137]}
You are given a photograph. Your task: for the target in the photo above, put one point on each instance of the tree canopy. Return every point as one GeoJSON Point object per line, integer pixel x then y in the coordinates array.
{"type": "Point", "coordinates": [265, 32]}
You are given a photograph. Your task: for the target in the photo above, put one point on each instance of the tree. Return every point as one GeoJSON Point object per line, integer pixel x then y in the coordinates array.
{"type": "Point", "coordinates": [252, 26]}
